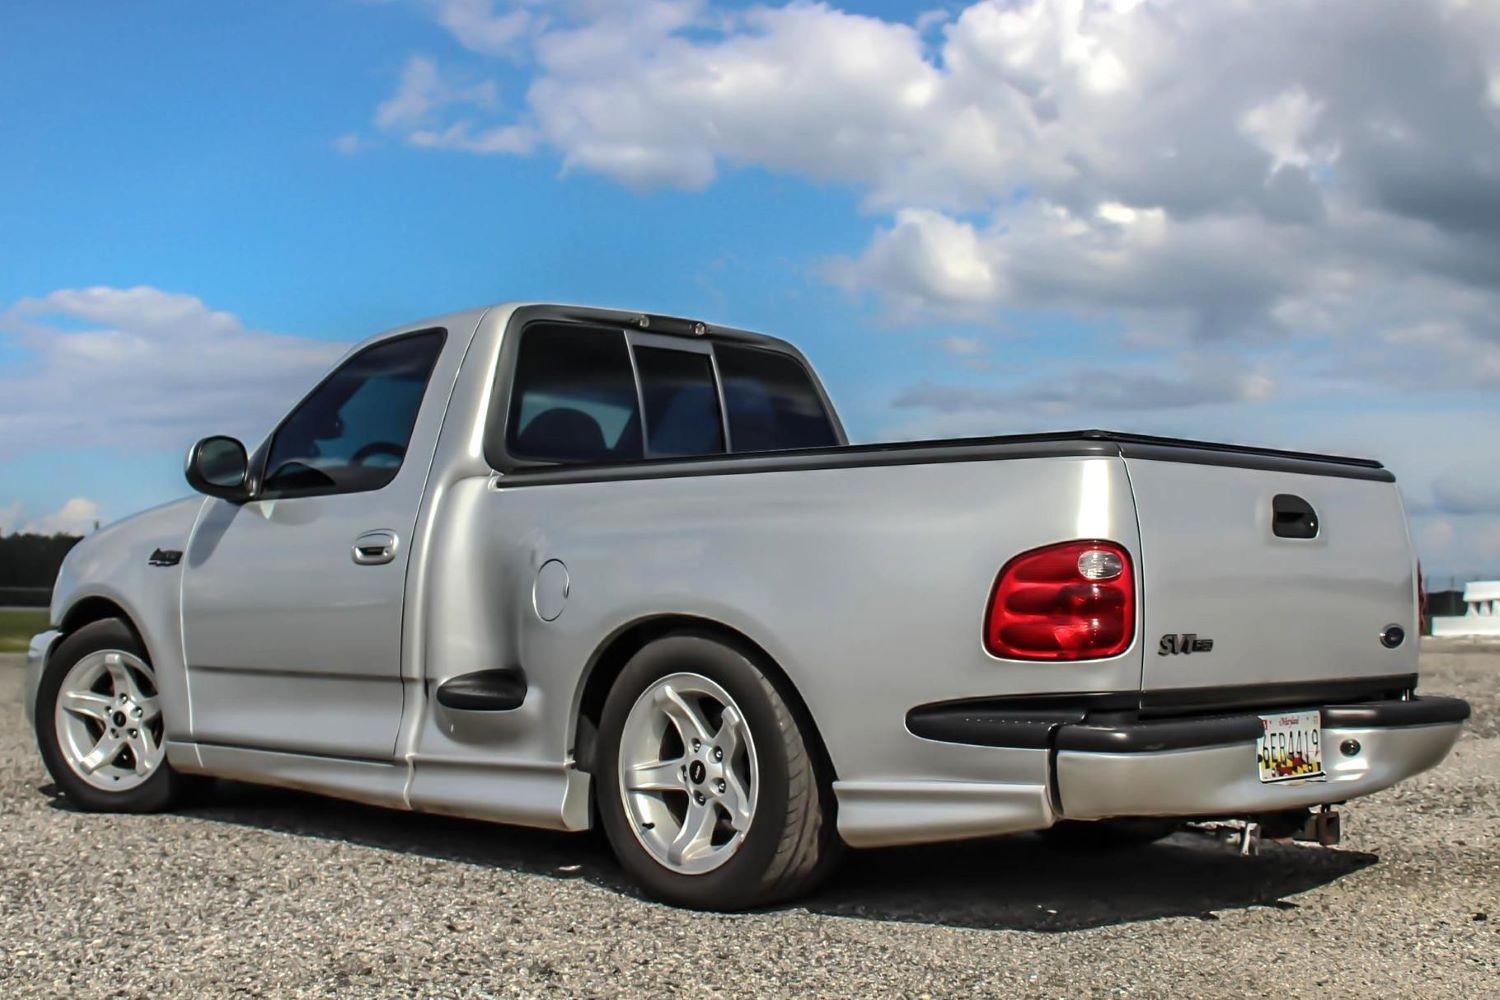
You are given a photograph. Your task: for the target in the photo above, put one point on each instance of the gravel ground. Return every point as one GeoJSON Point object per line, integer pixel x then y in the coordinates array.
{"type": "Point", "coordinates": [256, 892]}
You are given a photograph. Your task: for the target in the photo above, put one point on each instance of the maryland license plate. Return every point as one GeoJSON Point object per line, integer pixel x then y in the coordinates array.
{"type": "Point", "coordinates": [1291, 747]}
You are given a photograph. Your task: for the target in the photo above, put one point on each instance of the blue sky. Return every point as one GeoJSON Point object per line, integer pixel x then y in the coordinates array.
{"type": "Point", "coordinates": [1188, 218]}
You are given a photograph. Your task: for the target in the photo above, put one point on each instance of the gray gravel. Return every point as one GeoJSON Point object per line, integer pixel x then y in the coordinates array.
{"type": "Point", "coordinates": [255, 892]}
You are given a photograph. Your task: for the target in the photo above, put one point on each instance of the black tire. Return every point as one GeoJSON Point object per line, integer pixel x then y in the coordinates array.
{"type": "Point", "coordinates": [790, 845]}
{"type": "Point", "coordinates": [1109, 834]}
{"type": "Point", "coordinates": [159, 790]}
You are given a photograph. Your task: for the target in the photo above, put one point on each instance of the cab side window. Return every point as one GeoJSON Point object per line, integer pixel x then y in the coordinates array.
{"type": "Point", "coordinates": [574, 398]}
{"type": "Point", "coordinates": [351, 433]}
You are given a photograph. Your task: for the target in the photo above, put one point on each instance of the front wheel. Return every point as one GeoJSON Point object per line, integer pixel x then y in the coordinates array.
{"type": "Point", "coordinates": [99, 723]}
{"type": "Point", "coordinates": [707, 787]}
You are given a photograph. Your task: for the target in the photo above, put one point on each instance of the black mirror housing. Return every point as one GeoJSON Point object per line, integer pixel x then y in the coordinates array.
{"type": "Point", "coordinates": [219, 466]}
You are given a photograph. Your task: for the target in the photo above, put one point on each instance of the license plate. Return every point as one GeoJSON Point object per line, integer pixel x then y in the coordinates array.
{"type": "Point", "coordinates": [1291, 747]}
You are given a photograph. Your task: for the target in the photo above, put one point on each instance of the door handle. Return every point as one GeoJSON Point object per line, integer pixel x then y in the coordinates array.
{"type": "Point", "coordinates": [1293, 517]}
{"type": "Point", "coordinates": [375, 547]}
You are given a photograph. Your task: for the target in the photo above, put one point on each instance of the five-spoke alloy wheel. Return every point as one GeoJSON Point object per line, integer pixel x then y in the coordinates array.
{"type": "Point", "coordinates": [688, 773]}
{"type": "Point", "coordinates": [710, 793]}
{"type": "Point", "coordinates": [108, 720]}
{"type": "Point", "coordinates": [99, 722]}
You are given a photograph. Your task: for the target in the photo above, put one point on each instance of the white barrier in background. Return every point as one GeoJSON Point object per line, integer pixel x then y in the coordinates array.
{"type": "Point", "coordinates": [1482, 615]}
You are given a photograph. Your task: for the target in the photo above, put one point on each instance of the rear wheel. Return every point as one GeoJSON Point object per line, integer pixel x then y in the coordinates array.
{"type": "Point", "coordinates": [99, 723]}
{"type": "Point", "coordinates": [707, 787]}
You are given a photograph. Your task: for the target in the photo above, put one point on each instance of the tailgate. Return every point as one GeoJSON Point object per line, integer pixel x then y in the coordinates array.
{"type": "Point", "coordinates": [1276, 609]}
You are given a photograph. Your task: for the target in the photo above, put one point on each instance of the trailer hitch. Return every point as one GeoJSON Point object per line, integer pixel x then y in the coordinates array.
{"type": "Point", "coordinates": [1321, 827]}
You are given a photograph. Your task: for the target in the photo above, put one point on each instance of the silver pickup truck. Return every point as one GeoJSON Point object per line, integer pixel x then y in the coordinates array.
{"type": "Point", "coordinates": [562, 566]}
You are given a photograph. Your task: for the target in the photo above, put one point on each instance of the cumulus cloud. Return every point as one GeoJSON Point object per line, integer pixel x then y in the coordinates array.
{"type": "Point", "coordinates": [78, 516]}
{"type": "Point", "coordinates": [142, 368]}
{"type": "Point", "coordinates": [1212, 169]}
{"type": "Point", "coordinates": [435, 111]}
{"type": "Point", "coordinates": [487, 26]}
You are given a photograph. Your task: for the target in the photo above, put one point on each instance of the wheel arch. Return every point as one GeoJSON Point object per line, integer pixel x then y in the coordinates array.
{"type": "Point", "coordinates": [95, 608]}
{"type": "Point", "coordinates": [615, 651]}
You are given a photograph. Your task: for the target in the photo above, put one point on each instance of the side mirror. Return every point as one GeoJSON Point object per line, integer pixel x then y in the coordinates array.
{"type": "Point", "coordinates": [219, 467]}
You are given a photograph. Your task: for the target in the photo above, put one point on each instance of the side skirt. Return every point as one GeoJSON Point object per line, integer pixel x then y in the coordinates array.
{"type": "Point", "coordinates": [376, 783]}
{"type": "Point", "coordinates": [553, 796]}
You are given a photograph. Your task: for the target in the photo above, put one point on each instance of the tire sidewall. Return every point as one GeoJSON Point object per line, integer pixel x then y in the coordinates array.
{"type": "Point", "coordinates": [155, 792]}
{"type": "Point", "coordinates": [741, 877]}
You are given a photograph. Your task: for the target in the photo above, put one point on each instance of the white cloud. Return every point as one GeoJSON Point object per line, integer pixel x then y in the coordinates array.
{"type": "Point", "coordinates": [1279, 200]}
{"type": "Point", "coordinates": [143, 368]}
{"type": "Point", "coordinates": [78, 516]}
{"type": "Point", "coordinates": [1281, 127]}
{"type": "Point", "coordinates": [1220, 169]}
{"type": "Point", "coordinates": [350, 143]}
{"type": "Point", "coordinates": [423, 91]}
{"type": "Point", "coordinates": [485, 26]}
{"type": "Point", "coordinates": [926, 259]}
{"type": "Point", "coordinates": [433, 111]}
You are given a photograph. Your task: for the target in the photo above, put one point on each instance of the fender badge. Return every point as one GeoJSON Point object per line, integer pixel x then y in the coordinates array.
{"type": "Point", "coordinates": [1188, 642]}
{"type": "Point", "coordinates": [165, 557]}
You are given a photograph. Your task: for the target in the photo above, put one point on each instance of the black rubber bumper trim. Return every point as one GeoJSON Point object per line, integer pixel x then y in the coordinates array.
{"type": "Point", "coordinates": [499, 690]}
{"type": "Point", "coordinates": [1166, 734]}
{"type": "Point", "coordinates": [1385, 714]}
{"type": "Point", "coordinates": [989, 728]}
{"type": "Point", "coordinates": [1025, 722]}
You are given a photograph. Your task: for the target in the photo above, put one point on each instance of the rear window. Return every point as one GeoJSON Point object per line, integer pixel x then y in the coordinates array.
{"type": "Point", "coordinates": [601, 395]}
{"type": "Point", "coordinates": [682, 402]}
{"type": "Point", "coordinates": [574, 397]}
{"type": "Point", "coordinates": [772, 402]}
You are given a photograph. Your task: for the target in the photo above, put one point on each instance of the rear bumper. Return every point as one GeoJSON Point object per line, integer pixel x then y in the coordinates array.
{"type": "Point", "coordinates": [1111, 763]}
{"type": "Point", "coordinates": [1140, 777]}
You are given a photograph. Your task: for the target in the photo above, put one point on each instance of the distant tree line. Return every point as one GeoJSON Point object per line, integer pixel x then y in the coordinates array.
{"type": "Point", "coordinates": [30, 563]}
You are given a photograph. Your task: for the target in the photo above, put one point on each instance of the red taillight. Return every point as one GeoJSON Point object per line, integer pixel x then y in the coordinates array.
{"type": "Point", "coordinates": [1072, 601]}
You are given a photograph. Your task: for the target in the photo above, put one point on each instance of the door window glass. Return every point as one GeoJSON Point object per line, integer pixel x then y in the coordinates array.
{"type": "Point", "coordinates": [351, 434]}
{"type": "Point", "coordinates": [771, 401]}
{"type": "Point", "coordinates": [574, 397]}
{"type": "Point", "coordinates": [682, 402]}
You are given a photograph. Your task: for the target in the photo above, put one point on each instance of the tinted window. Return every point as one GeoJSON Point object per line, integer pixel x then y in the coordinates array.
{"type": "Point", "coordinates": [351, 433]}
{"type": "Point", "coordinates": [574, 397]}
{"type": "Point", "coordinates": [682, 403]}
{"type": "Point", "coordinates": [771, 401]}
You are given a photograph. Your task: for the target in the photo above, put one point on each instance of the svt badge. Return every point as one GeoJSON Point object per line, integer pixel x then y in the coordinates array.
{"type": "Point", "coordinates": [1188, 642]}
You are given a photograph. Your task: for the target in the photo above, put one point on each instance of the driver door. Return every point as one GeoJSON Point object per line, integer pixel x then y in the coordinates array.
{"type": "Point", "coordinates": [292, 603]}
